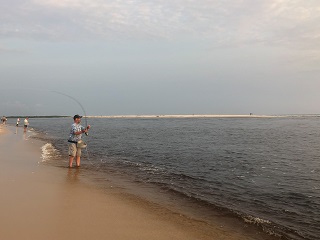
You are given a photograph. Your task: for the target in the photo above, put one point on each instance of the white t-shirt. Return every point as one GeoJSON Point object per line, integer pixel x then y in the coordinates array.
{"type": "Point", "coordinates": [26, 122]}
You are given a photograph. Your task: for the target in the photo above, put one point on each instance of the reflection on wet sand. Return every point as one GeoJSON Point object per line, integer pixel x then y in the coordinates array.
{"type": "Point", "coordinates": [24, 136]}
{"type": "Point", "coordinates": [73, 175]}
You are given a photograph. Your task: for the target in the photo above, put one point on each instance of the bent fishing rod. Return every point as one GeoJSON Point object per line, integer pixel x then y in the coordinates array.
{"type": "Point", "coordinates": [63, 94]}
{"type": "Point", "coordinates": [74, 99]}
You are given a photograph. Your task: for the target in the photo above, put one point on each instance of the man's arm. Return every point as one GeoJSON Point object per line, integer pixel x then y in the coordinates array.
{"type": "Point", "coordinates": [84, 130]}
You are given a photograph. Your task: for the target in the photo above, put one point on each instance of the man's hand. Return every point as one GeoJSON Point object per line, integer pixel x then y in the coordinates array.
{"type": "Point", "coordinates": [86, 129]}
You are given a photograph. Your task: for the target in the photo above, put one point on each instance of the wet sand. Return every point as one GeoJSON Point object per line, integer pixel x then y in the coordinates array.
{"type": "Point", "coordinates": [3, 129]}
{"type": "Point", "coordinates": [44, 202]}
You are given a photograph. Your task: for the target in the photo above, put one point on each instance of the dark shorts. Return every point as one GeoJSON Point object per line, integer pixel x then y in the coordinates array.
{"type": "Point", "coordinates": [25, 126]}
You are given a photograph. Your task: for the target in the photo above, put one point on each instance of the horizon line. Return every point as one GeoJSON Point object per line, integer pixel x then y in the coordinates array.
{"type": "Point", "coordinates": [172, 116]}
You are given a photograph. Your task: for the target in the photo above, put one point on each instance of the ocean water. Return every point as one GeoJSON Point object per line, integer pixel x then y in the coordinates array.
{"type": "Point", "coordinates": [263, 171]}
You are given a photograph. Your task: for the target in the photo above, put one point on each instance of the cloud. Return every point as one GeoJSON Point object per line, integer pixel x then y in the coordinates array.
{"type": "Point", "coordinates": [233, 22]}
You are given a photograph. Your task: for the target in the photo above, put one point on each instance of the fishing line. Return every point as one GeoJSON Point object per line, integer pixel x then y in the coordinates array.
{"type": "Point", "coordinates": [84, 111]}
{"type": "Point", "coordinates": [85, 117]}
{"type": "Point", "coordinates": [66, 95]}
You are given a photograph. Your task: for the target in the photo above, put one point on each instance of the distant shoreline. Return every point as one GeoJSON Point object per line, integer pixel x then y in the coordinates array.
{"type": "Point", "coordinates": [180, 116]}
{"type": "Point", "coordinates": [47, 116]}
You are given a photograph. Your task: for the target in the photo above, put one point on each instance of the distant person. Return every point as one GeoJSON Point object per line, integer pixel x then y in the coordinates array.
{"type": "Point", "coordinates": [4, 120]}
{"type": "Point", "coordinates": [74, 137]}
{"type": "Point", "coordinates": [25, 124]}
{"type": "Point", "coordinates": [17, 125]}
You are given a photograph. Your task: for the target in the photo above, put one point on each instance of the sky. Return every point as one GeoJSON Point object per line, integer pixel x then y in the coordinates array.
{"type": "Point", "coordinates": [118, 57]}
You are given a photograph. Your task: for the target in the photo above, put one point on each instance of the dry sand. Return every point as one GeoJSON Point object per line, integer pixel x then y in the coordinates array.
{"type": "Point", "coordinates": [44, 202]}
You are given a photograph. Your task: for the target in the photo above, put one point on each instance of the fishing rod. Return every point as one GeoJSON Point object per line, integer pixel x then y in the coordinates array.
{"type": "Point", "coordinates": [84, 111]}
{"type": "Point", "coordinates": [53, 91]}
{"type": "Point", "coordinates": [66, 95]}
{"type": "Point", "coordinates": [85, 117]}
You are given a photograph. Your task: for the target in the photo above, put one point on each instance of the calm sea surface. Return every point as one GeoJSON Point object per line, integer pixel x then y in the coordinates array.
{"type": "Point", "coordinates": [265, 171]}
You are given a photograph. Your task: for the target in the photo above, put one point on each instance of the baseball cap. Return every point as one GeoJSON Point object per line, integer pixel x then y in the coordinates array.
{"type": "Point", "coordinates": [76, 116]}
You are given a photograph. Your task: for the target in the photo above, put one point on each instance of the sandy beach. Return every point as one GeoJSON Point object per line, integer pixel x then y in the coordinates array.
{"type": "Point", "coordinates": [3, 129]}
{"type": "Point", "coordinates": [44, 202]}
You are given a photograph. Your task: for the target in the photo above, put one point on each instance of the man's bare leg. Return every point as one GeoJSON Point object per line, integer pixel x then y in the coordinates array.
{"type": "Point", "coordinates": [70, 161]}
{"type": "Point", "coordinates": [78, 161]}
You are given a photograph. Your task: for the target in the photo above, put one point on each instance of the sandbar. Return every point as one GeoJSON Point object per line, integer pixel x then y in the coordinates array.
{"type": "Point", "coordinates": [188, 116]}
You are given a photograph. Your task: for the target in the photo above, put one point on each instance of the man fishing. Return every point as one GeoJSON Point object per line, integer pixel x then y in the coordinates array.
{"type": "Point", "coordinates": [74, 139]}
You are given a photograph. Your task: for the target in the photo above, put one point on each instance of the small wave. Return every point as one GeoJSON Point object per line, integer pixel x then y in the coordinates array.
{"type": "Point", "coordinates": [150, 169]}
{"type": "Point", "coordinates": [255, 220]}
{"type": "Point", "coordinates": [131, 163]}
{"type": "Point", "coordinates": [48, 152]}
{"type": "Point", "coordinates": [144, 167]}
{"type": "Point", "coordinates": [266, 225]}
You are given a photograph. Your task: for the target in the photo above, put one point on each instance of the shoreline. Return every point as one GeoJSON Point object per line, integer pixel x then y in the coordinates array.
{"type": "Point", "coordinates": [40, 184]}
{"type": "Point", "coordinates": [181, 116]}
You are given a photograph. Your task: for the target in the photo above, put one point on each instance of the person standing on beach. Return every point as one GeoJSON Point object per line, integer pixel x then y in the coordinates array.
{"type": "Point", "coordinates": [25, 124]}
{"type": "Point", "coordinates": [4, 120]}
{"type": "Point", "coordinates": [75, 136]}
{"type": "Point", "coordinates": [18, 121]}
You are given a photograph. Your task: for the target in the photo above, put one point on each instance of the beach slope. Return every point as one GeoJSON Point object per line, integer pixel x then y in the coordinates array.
{"type": "Point", "coordinates": [45, 202]}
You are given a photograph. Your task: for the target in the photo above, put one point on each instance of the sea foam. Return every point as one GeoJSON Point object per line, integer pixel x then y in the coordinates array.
{"type": "Point", "coordinates": [48, 152]}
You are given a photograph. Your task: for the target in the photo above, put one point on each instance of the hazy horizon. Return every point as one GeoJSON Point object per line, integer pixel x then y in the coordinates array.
{"type": "Point", "coordinates": [250, 115]}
